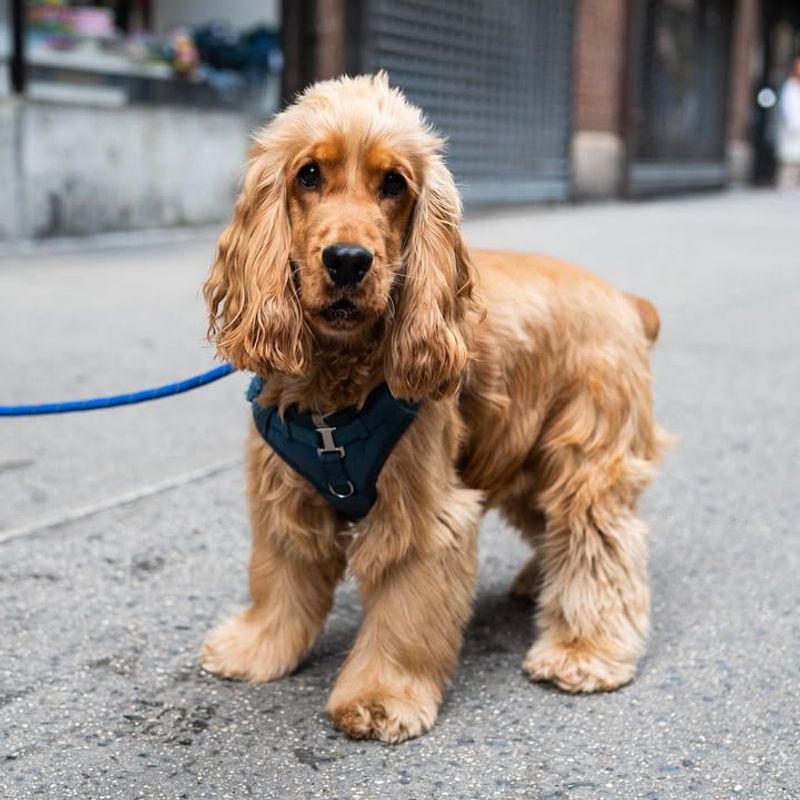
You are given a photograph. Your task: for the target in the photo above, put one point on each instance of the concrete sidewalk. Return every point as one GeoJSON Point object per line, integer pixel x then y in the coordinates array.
{"type": "Point", "coordinates": [100, 693]}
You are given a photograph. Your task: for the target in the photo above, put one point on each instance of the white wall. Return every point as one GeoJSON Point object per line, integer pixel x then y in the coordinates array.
{"type": "Point", "coordinates": [5, 27]}
{"type": "Point", "coordinates": [88, 170]}
{"type": "Point", "coordinates": [597, 162]}
{"type": "Point", "coordinates": [241, 13]}
{"type": "Point", "coordinates": [9, 188]}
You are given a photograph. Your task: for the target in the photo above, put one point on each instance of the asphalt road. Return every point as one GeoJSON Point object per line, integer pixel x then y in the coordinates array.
{"type": "Point", "coordinates": [123, 538]}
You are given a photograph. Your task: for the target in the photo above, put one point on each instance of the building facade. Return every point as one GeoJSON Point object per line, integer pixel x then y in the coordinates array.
{"type": "Point", "coordinates": [129, 115]}
{"type": "Point", "coordinates": [137, 114]}
{"type": "Point", "coordinates": [624, 98]}
{"type": "Point", "coordinates": [663, 95]}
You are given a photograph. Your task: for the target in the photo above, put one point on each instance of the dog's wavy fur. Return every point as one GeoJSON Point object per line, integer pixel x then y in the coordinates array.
{"type": "Point", "coordinates": [535, 384]}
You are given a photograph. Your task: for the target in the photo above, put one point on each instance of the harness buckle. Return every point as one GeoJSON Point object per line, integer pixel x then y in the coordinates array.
{"type": "Point", "coordinates": [326, 433]}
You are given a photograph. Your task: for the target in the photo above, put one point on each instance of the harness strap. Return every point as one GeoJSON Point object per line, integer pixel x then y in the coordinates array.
{"type": "Point", "coordinates": [340, 454]}
{"type": "Point", "coordinates": [332, 456]}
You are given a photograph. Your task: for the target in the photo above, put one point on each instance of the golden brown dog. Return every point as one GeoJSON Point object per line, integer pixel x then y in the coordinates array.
{"type": "Point", "coordinates": [535, 391]}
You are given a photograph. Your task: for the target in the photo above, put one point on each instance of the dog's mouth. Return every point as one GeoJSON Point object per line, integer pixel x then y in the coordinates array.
{"type": "Point", "coordinates": [342, 312]}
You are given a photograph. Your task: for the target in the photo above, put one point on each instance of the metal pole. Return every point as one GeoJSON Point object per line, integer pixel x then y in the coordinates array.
{"type": "Point", "coordinates": [18, 70]}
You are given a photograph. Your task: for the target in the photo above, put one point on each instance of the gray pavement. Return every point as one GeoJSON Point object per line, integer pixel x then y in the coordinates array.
{"type": "Point", "coordinates": [101, 616]}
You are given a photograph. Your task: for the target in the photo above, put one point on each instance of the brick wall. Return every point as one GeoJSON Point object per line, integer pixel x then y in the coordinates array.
{"type": "Point", "coordinates": [601, 54]}
{"type": "Point", "coordinates": [741, 76]}
{"type": "Point", "coordinates": [601, 51]}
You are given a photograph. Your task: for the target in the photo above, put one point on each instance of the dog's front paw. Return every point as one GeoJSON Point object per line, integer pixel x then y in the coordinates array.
{"type": "Point", "coordinates": [578, 666]}
{"type": "Point", "coordinates": [241, 648]}
{"type": "Point", "coordinates": [382, 716]}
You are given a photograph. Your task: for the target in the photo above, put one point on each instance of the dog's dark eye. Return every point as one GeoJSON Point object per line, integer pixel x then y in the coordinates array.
{"type": "Point", "coordinates": [393, 184]}
{"type": "Point", "coordinates": [309, 177]}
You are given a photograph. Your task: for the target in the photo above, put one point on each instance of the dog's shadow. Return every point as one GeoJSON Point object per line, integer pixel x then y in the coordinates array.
{"type": "Point", "coordinates": [501, 626]}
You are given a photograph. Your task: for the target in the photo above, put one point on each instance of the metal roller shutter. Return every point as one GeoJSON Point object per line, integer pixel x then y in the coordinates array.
{"type": "Point", "coordinates": [495, 77]}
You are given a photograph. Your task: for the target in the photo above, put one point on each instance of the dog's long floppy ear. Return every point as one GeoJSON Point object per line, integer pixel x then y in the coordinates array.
{"type": "Point", "coordinates": [255, 318]}
{"type": "Point", "coordinates": [429, 346]}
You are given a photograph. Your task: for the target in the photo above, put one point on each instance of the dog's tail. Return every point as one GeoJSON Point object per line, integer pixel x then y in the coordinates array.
{"type": "Point", "coordinates": [651, 322]}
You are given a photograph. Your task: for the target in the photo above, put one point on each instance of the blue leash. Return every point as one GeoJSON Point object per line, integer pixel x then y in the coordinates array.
{"type": "Point", "coordinates": [119, 399]}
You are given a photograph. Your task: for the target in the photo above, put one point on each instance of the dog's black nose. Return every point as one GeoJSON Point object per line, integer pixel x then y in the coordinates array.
{"type": "Point", "coordinates": [347, 264]}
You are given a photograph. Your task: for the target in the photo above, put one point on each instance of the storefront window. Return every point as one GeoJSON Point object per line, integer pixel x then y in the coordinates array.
{"type": "Point", "coordinates": [684, 79]}
{"type": "Point", "coordinates": [117, 52]}
{"type": "Point", "coordinates": [5, 48]}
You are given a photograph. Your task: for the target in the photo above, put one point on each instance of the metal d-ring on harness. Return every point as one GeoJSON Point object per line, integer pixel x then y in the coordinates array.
{"type": "Point", "coordinates": [332, 457]}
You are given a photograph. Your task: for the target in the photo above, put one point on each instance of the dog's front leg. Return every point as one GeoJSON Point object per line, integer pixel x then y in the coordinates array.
{"type": "Point", "coordinates": [416, 603]}
{"type": "Point", "coordinates": [295, 564]}
{"type": "Point", "coordinates": [290, 599]}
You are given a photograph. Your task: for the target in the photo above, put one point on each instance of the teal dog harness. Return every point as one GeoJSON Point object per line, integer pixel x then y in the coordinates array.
{"type": "Point", "coordinates": [341, 454]}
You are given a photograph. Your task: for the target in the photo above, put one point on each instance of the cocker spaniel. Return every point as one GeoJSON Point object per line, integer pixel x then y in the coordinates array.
{"type": "Point", "coordinates": [461, 380]}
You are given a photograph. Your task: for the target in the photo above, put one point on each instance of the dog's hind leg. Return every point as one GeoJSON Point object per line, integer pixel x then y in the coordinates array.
{"type": "Point", "coordinates": [530, 523]}
{"type": "Point", "coordinates": [593, 604]}
{"type": "Point", "coordinates": [592, 615]}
